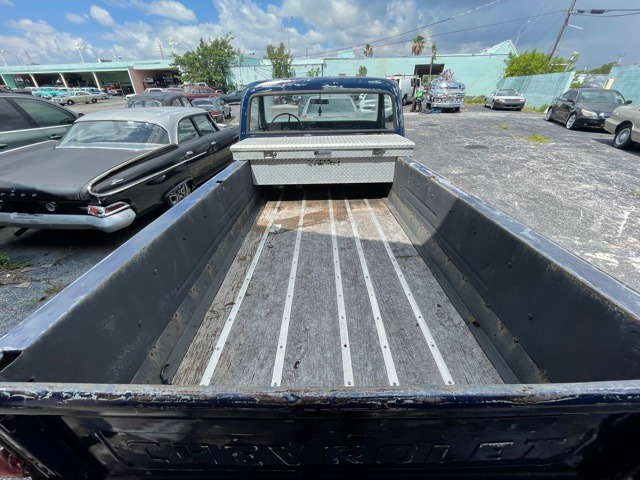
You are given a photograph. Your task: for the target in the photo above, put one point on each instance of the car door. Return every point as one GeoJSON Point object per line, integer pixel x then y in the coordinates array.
{"type": "Point", "coordinates": [565, 104]}
{"type": "Point", "coordinates": [220, 140]}
{"type": "Point", "coordinates": [197, 148]}
{"type": "Point", "coordinates": [16, 129]}
{"type": "Point", "coordinates": [54, 121]}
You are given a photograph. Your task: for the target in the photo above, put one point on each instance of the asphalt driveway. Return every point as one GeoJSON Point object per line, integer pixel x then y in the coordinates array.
{"type": "Point", "coordinates": [571, 186]}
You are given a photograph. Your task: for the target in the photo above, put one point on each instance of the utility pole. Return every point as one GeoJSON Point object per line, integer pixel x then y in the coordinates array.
{"type": "Point", "coordinates": [562, 29]}
{"type": "Point", "coordinates": [161, 52]}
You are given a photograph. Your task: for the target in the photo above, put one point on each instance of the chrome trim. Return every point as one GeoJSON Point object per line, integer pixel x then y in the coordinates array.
{"type": "Point", "coordinates": [120, 166]}
{"type": "Point", "coordinates": [145, 179]}
{"type": "Point", "coordinates": [68, 222]}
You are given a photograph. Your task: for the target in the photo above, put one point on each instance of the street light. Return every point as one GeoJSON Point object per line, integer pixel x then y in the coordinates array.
{"type": "Point", "coordinates": [287, 28]}
{"type": "Point", "coordinates": [80, 48]}
{"type": "Point", "coordinates": [2, 56]}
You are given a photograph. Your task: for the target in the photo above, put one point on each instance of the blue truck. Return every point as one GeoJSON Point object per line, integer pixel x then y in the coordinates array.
{"type": "Point", "coordinates": [327, 306]}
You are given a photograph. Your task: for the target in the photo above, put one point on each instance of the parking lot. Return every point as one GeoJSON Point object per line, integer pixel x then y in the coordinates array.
{"type": "Point", "coordinates": [571, 186]}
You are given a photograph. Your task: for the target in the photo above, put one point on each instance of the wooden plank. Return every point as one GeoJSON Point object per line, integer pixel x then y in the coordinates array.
{"type": "Point", "coordinates": [313, 356]}
{"type": "Point", "coordinates": [464, 356]}
{"type": "Point", "coordinates": [313, 346]}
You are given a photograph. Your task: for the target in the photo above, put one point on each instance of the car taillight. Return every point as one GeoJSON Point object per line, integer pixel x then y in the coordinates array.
{"type": "Point", "coordinates": [215, 112]}
{"type": "Point", "coordinates": [100, 211]}
{"type": "Point", "coordinates": [11, 465]}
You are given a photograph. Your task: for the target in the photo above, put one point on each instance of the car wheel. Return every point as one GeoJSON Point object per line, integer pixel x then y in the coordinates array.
{"type": "Point", "coordinates": [571, 121]}
{"type": "Point", "coordinates": [70, 102]}
{"type": "Point", "coordinates": [493, 105]}
{"type": "Point", "coordinates": [622, 138]}
{"type": "Point", "coordinates": [94, 100]}
{"type": "Point", "coordinates": [178, 194]}
{"type": "Point", "coordinates": [549, 114]}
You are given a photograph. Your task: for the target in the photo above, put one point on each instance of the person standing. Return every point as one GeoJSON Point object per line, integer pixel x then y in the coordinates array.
{"type": "Point", "coordinates": [417, 100]}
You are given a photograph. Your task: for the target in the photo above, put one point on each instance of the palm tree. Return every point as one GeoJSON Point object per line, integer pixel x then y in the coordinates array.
{"type": "Point", "coordinates": [418, 45]}
{"type": "Point", "coordinates": [368, 50]}
{"type": "Point", "coordinates": [434, 52]}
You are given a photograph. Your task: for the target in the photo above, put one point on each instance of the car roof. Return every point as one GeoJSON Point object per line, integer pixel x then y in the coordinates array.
{"type": "Point", "coordinates": [156, 95]}
{"type": "Point", "coordinates": [166, 117]}
{"type": "Point", "coordinates": [321, 83]}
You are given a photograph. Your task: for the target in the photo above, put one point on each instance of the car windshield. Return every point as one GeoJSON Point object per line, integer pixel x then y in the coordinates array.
{"type": "Point", "coordinates": [601, 96]}
{"type": "Point", "coordinates": [118, 134]}
{"type": "Point", "coordinates": [503, 93]}
{"type": "Point", "coordinates": [207, 103]}
{"type": "Point", "coordinates": [307, 112]}
{"type": "Point", "coordinates": [143, 103]}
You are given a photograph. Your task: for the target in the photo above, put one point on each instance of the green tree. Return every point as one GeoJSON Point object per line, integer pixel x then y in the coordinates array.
{"type": "Point", "coordinates": [314, 72]}
{"type": "Point", "coordinates": [281, 61]}
{"type": "Point", "coordinates": [210, 62]}
{"type": "Point", "coordinates": [368, 50]}
{"type": "Point", "coordinates": [362, 71]}
{"type": "Point", "coordinates": [418, 45]}
{"type": "Point", "coordinates": [603, 69]}
{"type": "Point", "coordinates": [536, 63]}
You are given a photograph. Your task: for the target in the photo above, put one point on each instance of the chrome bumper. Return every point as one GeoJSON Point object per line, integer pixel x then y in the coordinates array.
{"type": "Point", "coordinates": [68, 222]}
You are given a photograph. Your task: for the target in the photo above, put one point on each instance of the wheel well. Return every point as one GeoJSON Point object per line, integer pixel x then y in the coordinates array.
{"type": "Point", "coordinates": [624, 124]}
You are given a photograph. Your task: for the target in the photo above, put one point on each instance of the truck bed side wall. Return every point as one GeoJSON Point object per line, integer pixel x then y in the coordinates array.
{"type": "Point", "coordinates": [149, 288]}
{"type": "Point", "coordinates": [528, 295]}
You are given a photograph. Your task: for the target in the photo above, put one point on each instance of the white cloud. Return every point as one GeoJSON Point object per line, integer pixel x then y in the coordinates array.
{"type": "Point", "coordinates": [6, 3]}
{"type": "Point", "coordinates": [101, 16]}
{"type": "Point", "coordinates": [76, 18]}
{"type": "Point", "coordinates": [27, 26]}
{"type": "Point", "coordinates": [173, 10]}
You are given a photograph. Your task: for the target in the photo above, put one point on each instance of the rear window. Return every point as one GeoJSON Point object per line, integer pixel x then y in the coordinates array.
{"type": "Point", "coordinates": [143, 103]}
{"type": "Point", "coordinates": [321, 112]}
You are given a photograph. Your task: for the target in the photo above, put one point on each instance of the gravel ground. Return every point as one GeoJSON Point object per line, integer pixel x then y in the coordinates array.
{"type": "Point", "coordinates": [571, 186]}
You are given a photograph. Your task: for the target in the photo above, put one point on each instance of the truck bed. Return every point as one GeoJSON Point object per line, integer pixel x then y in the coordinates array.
{"type": "Point", "coordinates": [327, 290]}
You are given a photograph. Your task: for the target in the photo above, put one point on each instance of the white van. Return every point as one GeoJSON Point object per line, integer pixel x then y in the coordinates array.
{"type": "Point", "coordinates": [408, 85]}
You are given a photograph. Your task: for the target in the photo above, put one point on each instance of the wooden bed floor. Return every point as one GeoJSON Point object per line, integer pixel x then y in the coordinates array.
{"type": "Point", "coordinates": [328, 291]}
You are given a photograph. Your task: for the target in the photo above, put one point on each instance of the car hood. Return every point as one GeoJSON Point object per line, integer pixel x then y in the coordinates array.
{"type": "Point", "coordinates": [605, 108]}
{"type": "Point", "coordinates": [43, 171]}
{"type": "Point", "coordinates": [509, 97]}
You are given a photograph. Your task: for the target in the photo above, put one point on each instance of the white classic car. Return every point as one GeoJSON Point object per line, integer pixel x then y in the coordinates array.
{"type": "Point", "coordinates": [624, 123]}
{"type": "Point", "coordinates": [76, 97]}
{"type": "Point", "coordinates": [505, 98]}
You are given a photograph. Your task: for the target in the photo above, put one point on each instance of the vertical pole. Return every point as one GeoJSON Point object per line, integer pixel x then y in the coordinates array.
{"type": "Point", "coordinates": [562, 29]}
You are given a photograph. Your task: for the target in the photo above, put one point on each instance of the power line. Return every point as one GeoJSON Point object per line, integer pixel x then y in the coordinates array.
{"type": "Point", "coordinates": [444, 33]}
{"type": "Point", "coordinates": [408, 31]}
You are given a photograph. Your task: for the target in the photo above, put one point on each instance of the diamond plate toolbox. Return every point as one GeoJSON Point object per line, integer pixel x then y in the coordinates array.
{"type": "Point", "coordinates": [324, 159]}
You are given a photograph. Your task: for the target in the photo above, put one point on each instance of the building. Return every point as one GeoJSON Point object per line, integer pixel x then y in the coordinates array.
{"type": "Point", "coordinates": [479, 71]}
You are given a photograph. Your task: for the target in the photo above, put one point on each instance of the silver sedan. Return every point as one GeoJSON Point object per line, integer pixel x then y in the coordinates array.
{"type": "Point", "coordinates": [505, 98]}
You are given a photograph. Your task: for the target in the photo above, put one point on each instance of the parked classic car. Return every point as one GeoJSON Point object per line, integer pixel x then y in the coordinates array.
{"type": "Point", "coordinates": [95, 91]}
{"type": "Point", "coordinates": [76, 97]}
{"type": "Point", "coordinates": [201, 92]}
{"type": "Point", "coordinates": [624, 123]}
{"type": "Point", "coordinates": [233, 97]}
{"type": "Point", "coordinates": [45, 92]}
{"type": "Point", "coordinates": [505, 98]}
{"type": "Point", "coordinates": [112, 167]}
{"type": "Point", "coordinates": [158, 99]}
{"type": "Point", "coordinates": [27, 120]}
{"type": "Point", "coordinates": [585, 107]}
{"type": "Point", "coordinates": [216, 106]}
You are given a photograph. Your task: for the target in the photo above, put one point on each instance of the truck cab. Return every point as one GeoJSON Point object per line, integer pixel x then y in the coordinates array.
{"type": "Point", "coordinates": [342, 130]}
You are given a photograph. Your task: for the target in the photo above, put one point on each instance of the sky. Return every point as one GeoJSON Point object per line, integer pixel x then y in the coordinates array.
{"type": "Point", "coordinates": [70, 31]}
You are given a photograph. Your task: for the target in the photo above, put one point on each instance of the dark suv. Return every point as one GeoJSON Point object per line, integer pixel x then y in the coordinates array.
{"type": "Point", "coordinates": [25, 120]}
